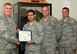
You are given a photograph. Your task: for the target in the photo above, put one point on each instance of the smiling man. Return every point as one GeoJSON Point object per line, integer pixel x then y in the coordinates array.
{"type": "Point", "coordinates": [33, 46]}
{"type": "Point", "coordinates": [48, 22]}
{"type": "Point", "coordinates": [8, 39]}
{"type": "Point", "coordinates": [66, 33]}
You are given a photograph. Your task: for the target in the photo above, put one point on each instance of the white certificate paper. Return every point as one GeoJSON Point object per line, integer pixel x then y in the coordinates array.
{"type": "Point", "coordinates": [24, 36]}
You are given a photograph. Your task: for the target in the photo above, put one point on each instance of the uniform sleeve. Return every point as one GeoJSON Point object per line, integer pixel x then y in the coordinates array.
{"type": "Point", "coordinates": [24, 27]}
{"type": "Point", "coordinates": [58, 31]}
{"type": "Point", "coordinates": [74, 43]}
{"type": "Point", "coordinates": [41, 21]}
{"type": "Point", "coordinates": [40, 32]}
{"type": "Point", "coordinates": [53, 33]}
{"type": "Point", "coordinates": [5, 34]}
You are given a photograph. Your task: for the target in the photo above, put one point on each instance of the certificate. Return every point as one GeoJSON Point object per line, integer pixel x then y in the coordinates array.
{"type": "Point", "coordinates": [24, 36]}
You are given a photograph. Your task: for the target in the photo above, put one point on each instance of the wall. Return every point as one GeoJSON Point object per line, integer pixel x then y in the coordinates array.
{"type": "Point", "coordinates": [2, 2]}
{"type": "Point", "coordinates": [57, 6]}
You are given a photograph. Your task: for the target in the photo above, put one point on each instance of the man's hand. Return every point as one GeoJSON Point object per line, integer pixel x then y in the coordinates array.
{"type": "Point", "coordinates": [74, 49]}
{"type": "Point", "coordinates": [17, 30]}
{"type": "Point", "coordinates": [18, 43]}
{"type": "Point", "coordinates": [30, 42]}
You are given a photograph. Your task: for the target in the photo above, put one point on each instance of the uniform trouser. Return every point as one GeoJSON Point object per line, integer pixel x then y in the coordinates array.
{"type": "Point", "coordinates": [65, 50]}
{"type": "Point", "coordinates": [48, 50]}
{"type": "Point", "coordinates": [8, 51]}
{"type": "Point", "coordinates": [32, 52]}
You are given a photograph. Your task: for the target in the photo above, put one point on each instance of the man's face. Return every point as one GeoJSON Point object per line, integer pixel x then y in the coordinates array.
{"type": "Point", "coordinates": [31, 16]}
{"type": "Point", "coordinates": [65, 13]}
{"type": "Point", "coordinates": [7, 10]}
{"type": "Point", "coordinates": [45, 11]}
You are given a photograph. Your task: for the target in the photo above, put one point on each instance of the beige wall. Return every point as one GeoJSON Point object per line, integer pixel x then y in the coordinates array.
{"type": "Point", "coordinates": [57, 5]}
{"type": "Point", "coordinates": [2, 2]}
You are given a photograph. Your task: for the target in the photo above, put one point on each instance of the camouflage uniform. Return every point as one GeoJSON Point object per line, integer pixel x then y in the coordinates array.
{"type": "Point", "coordinates": [76, 36]}
{"type": "Point", "coordinates": [66, 36]}
{"type": "Point", "coordinates": [49, 44]}
{"type": "Point", "coordinates": [37, 37]}
{"type": "Point", "coordinates": [7, 36]}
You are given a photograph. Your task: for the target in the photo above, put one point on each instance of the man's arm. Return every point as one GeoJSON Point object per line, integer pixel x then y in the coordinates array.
{"type": "Point", "coordinates": [5, 34]}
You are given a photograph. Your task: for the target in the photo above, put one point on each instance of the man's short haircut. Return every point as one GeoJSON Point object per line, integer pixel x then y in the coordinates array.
{"type": "Point", "coordinates": [45, 6]}
{"type": "Point", "coordinates": [65, 8]}
{"type": "Point", "coordinates": [31, 11]}
{"type": "Point", "coordinates": [7, 4]}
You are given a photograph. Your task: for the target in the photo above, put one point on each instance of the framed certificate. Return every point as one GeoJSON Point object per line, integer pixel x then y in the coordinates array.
{"type": "Point", "coordinates": [25, 36]}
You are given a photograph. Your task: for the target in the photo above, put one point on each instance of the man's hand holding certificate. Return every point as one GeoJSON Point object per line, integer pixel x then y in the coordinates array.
{"type": "Point", "coordinates": [30, 42]}
{"type": "Point", "coordinates": [25, 36]}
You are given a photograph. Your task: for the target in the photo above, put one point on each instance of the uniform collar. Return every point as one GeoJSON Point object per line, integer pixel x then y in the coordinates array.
{"type": "Point", "coordinates": [48, 18]}
{"type": "Point", "coordinates": [33, 23]}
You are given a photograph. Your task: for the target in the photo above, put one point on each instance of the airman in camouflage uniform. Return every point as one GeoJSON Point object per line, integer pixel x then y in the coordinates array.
{"type": "Point", "coordinates": [7, 32]}
{"type": "Point", "coordinates": [48, 22]}
{"type": "Point", "coordinates": [33, 46]}
{"type": "Point", "coordinates": [66, 33]}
